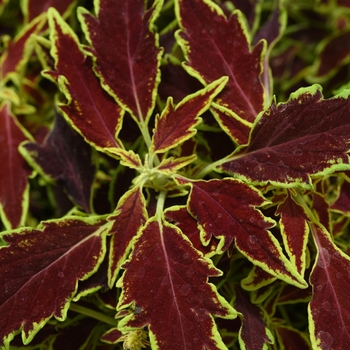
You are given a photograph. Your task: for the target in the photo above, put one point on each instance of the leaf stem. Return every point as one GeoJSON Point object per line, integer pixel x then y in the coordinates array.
{"type": "Point", "coordinates": [209, 168]}
{"type": "Point", "coordinates": [160, 204]}
{"type": "Point", "coordinates": [94, 314]}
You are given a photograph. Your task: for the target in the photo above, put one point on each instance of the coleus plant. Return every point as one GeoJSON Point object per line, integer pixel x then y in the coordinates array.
{"type": "Point", "coordinates": [155, 193]}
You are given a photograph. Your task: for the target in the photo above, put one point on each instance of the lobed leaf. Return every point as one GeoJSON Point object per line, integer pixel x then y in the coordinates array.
{"type": "Point", "coordinates": [14, 171]}
{"type": "Point", "coordinates": [295, 231]}
{"type": "Point", "coordinates": [167, 279]}
{"type": "Point", "coordinates": [56, 258]}
{"type": "Point", "coordinates": [307, 136]}
{"type": "Point", "coordinates": [128, 60]}
{"type": "Point", "coordinates": [180, 217]}
{"type": "Point", "coordinates": [329, 309]}
{"type": "Point", "coordinates": [176, 125]}
{"type": "Point", "coordinates": [226, 209]}
{"type": "Point", "coordinates": [33, 8]}
{"type": "Point", "coordinates": [95, 115]}
{"type": "Point", "coordinates": [130, 215]}
{"type": "Point", "coordinates": [66, 158]}
{"type": "Point", "coordinates": [19, 50]}
{"type": "Point", "coordinates": [257, 279]}
{"type": "Point", "coordinates": [227, 53]}
{"type": "Point", "coordinates": [253, 333]}
{"type": "Point", "coordinates": [332, 54]}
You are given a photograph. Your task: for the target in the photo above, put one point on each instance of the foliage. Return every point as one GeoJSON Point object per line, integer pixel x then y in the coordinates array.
{"type": "Point", "coordinates": [173, 176]}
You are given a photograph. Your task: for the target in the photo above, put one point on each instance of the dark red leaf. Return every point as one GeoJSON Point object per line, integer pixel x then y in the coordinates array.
{"type": "Point", "coordinates": [235, 127]}
{"type": "Point", "coordinates": [111, 336]}
{"type": "Point", "coordinates": [14, 171]}
{"type": "Point", "coordinates": [321, 210]}
{"type": "Point", "coordinates": [56, 258]}
{"type": "Point", "coordinates": [66, 158]}
{"type": "Point", "coordinates": [17, 54]}
{"type": "Point", "coordinates": [96, 116]}
{"type": "Point", "coordinates": [291, 339]}
{"type": "Point", "coordinates": [257, 279]}
{"type": "Point", "coordinates": [227, 53]}
{"type": "Point", "coordinates": [306, 136]}
{"type": "Point", "coordinates": [167, 279]}
{"type": "Point", "coordinates": [226, 209]}
{"type": "Point", "coordinates": [188, 225]}
{"type": "Point", "coordinates": [329, 310]}
{"type": "Point", "coordinates": [130, 215]}
{"type": "Point", "coordinates": [33, 8]}
{"type": "Point", "coordinates": [126, 51]}
{"type": "Point", "coordinates": [176, 125]}
{"type": "Point", "coordinates": [254, 332]}
{"type": "Point", "coordinates": [295, 231]}
{"type": "Point", "coordinates": [333, 53]}
{"type": "Point", "coordinates": [250, 8]}
{"type": "Point", "coordinates": [342, 203]}
{"type": "Point", "coordinates": [176, 82]}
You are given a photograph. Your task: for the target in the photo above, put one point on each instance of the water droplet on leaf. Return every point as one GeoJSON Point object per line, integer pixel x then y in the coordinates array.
{"type": "Point", "coordinates": [324, 258]}
{"type": "Point", "coordinates": [326, 340]}
{"type": "Point", "coordinates": [185, 289]}
{"type": "Point", "coordinates": [326, 305]}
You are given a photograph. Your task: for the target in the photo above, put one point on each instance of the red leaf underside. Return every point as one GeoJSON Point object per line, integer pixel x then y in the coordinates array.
{"type": "Point", "coordinates": [66, 158]}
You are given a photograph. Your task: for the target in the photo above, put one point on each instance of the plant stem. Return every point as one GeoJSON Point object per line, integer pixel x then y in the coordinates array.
{"type": "Point", "coordinates": [94, 314]}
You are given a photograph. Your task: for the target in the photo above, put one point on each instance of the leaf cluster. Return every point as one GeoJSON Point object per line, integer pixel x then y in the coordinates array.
{"type": "Point", "coordinates": [174, 174]}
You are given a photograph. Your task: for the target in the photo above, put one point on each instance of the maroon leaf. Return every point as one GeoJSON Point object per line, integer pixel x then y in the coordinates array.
{"type": "Point", "coordinates": [14, 171]}
{"type": "Point", "coordinates": [131, 215]}
{"type": "Point", "coordinates": [188, 225]}
{"type": "Point", "coordinates": [66, 158]}
{"type": "Point", "coordinates": [254, 332]}
{"type": "Point", "coordinates": [307, 136]}
{"type": "Point", "coordinates": [226, 209]}
{"type": "Point", "coordinates": [56, 258]}
{"type": "Point", "coordinates": [295, 231]}
{"type": "Point", "coordinates": [227, 53]}
{"type": "Point", "coordinates": [291, 338]}
{"type": "Point", "coordinates": [333, 53]}
{"type": "Point", "coordinates": [33, 8]}
{"type": "Point", "coordinates": [18, 52]}
{"type": "Point", "coordinates": [176, 125]}
{"type": "Point", "coordinates": [166, 276]}
{"type": "Point", "coordinates": [128, 60]}
{"type": "Point", "coordinates": [235, 127]}
{"type": "Point", "coordinates": [342, 203]}
{"type": "Point", "coordinates": [329, 310]}
{"type": "Point", "coordinates": [257, 279]}
{"type": "Point", "coordinates": [250, 8]}
{"type": "Point", "coordinates": [176, 82]}
{"type": "Point", "coordinates": [77, 80]}
{"type": "Point", "coordinates": [321, 210]}
{"type": "Point", "coordinates": [111, 336]}
{"type": "Point", "coordinates": [170, 165]}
